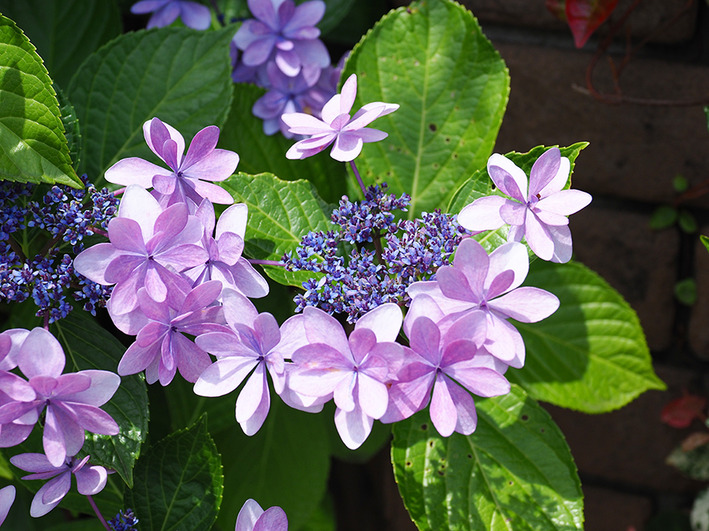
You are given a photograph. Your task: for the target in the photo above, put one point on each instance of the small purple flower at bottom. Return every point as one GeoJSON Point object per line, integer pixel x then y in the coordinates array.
{"type": "Point", "coordinates": [7, 496]}
{"type": "Point", "coordinates": [165, 12]}
{"type": "Point", "coordinates": [124, 521]}
{"type": "Point", "coordinates": [347, 133]}
{"type": "Point", "coordinates": [90, 479]}
{"type": "Point", "coordinates": [253, 518]}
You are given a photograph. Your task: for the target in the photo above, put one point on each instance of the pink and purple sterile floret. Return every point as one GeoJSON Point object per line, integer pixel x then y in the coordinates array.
{"type": "Point", "coordinates": [537, 210]}
{"type": "Point", "coordinates": [189, 177]}
{"type": "Point", "coordinates": [346, 133]}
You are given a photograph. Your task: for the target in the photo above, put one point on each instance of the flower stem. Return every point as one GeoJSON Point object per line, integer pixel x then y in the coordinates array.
{"type": "Point", "coordinates": [359, 178]}
{"type": "Point", "coordinates": [220, 15]}
{"type": "Point", "coordinates": [98, 513]}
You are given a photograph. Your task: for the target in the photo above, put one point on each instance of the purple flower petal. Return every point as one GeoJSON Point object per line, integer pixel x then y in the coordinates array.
{"type": "Point", "coordinates": [248, 515]}
{"type": "Point", "coordinates": [41, 355]}
{"type": "Point", "coordinates": [50, 494]}
{"type": "Point", "coordinates": [353, 426]}
{"type": "Point", "coordinates": [482, 214]}
{"type": "Point", "coordinates": [7, 497]}
{"type": "Point", "coordinates": [90, 480]}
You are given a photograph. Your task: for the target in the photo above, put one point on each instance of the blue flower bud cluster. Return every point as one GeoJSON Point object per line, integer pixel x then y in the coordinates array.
{"type": "Point", "coordinates": [372, 256]}
{"type": "Point", "coordinates": [38, 239]}
{"type": "Point", "coordinates": [123, 521]}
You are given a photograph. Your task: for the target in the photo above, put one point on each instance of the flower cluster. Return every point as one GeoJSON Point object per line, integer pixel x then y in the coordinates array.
{"type": "Point", "coordinates": [279, 49]}
{"type": "Point", "coordinates": [372, 257]}
{"type": "Point", "coordinates": [33, 237]}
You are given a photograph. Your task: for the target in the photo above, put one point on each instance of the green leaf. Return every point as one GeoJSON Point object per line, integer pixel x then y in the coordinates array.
{"type": "Point", "coordinates": [88, 345]}
{"type": "Point", "coordinates": [687, 222]}
{"type": "Point", "coordinates": [286, 464]}
{"type": "Point", "coordinates": [32, 143]}
{"type": "Point", "coordinates": [261, 153]}
{"type": "Point", "coordinates": [705, 241]}
{"type": "Point", "coordinates": [591, 355]}
{"type": "Point", "coordinates": [65, 32]}
{"type": "Point", "coordinates": [514, 472]}
{"type": "Point", "coordinates": [481, 185]}
{"type": "Point", "coordinates": [178, 75]}
{"type": "Point", "coordinates": [686, 291]}
{"type": "Point", "coordinates": [663, 217]}
{"type": "Point", "coordinates": [433, 60]}
{"type": "Point", "coordinates": [72, 129]}
{"type": "Point", "coordinates": [178, 482]}
{"type": "Point", "coordinates": [280, 214]}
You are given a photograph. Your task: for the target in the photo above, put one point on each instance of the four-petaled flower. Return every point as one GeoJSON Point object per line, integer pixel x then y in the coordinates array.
{"type": "Point", "coordinates": [538, 211]}
{"type": "Point", "coordinates": [185, 181]}
{"type": "Point", "coordinates": [348, 133]}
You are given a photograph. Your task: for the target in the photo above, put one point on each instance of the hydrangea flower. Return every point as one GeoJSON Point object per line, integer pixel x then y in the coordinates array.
{"type": "Point", "coordinates": [165, 12]}
{"type": "Point", "coordinates": [286, 34]}
{"type": "Point", "coordinates": [225, 262]}
{"type": "Point", "coordinates": [253, 518]}
{"type": "Point", "coordinates": [478, 282]}
{"type": "Point", "coordinates": [71, 401]}
{"type": "Point", "coordinates": [444, 368]}
{"type": "Point", "coordinates": [161, 348]}
{"type": "Point", "coordinates": [148, 248]}
{"type": "Point", "coordinates": [285, 95]}
{"type": "Point", "coordinates": [124, 521]}
{"type": "Point", "coordinates": [185, 180]}
{"type": "Point", "coordinates": [537, 211]}
{"type": "Point", "coordinates": [253, 347]}
{"type": "Point", "coordinates": [347, 133]}
{"type": "Point", "coordinates": [7, 497]}
{"type": "Point", "coordinates": [90, 479]}
{"type": "Point", "coordinates": [354, 371]}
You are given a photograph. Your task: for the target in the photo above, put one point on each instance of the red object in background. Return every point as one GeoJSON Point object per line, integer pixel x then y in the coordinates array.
{"type": "Point", "coordinates": [682, 411]}
{"type": "Point", "coordinates": [582, 16]}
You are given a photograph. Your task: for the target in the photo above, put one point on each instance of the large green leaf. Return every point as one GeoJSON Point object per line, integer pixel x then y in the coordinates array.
{"type": "Point", "coordinates": [178, 482]}
{"type": "Point", "coordinates": [481, 185]}
{"type": "Point", "coordinates": [260, 153]}
{"type": "Point", "coordinates": [286, 464]}
{"type": "Point", "coordinates": [88, 345]}
{"type": "Point", "coordinates": [433, 60]}
{"type": "Point", "coordinates": [178, 75]}
{"type": "Point", "coordinates": [514, 472]}
{"type": "Point", "coordinates": [591, 355]}
{"type": "Point", "coordinates": [32, 143]}
{"type": "Point", "coordinates": [65, 32]}
{"type": "Point", "coordinates": [280, 214]}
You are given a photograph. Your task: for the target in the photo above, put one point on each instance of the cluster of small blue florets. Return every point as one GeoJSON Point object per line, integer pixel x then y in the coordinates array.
{"type": "Point", "coordinates": [373, 256]}
{"type": "Point", "coordinates": [123, 521]}
{"type": "Point", "coordinates": [36, 237]}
